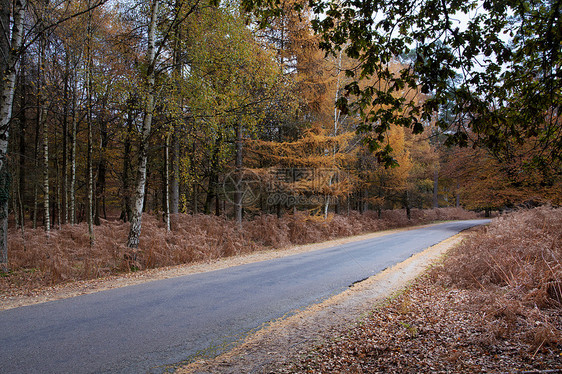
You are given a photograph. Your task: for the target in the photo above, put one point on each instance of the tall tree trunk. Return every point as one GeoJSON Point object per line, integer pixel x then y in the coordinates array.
{"type": "Point", "coordinates": [22, 144]}
{"type": "Point", "coordinates": [407, 204]}
{"type": "Point", "coordinates": [435, 188]}
{"type": "Point", "coordinates": [66, 103]}
{"type": "Point", "coordinates": [44, 123]}
{"type": "Point", "coordinates": [46, 203]}
{"type": "Point", "coordinates": [101, 173]}
{"type": "Point", "coordinates": [195, 198]}
{"type": "Point", "coordinates": [326, 206]}
{"type": "Point", "coordinates": [10, 52]}
{"type": "Point", "coordinates": [72, 192]}
{"type": "Point", "coordinates": [90, 177]}
{"type": "Point", "coordinates": [167, 183]}
{"type": "Point", "coordinates": [457, 196]}
{"type": "Point", "coordinates": [212, 189]}
{"type": "Point", "coordinates": [177, 75]}
{"type": "Point", "coordinates": [214, 175]}
{"type": "Point", "coordinates": [238, 164]}
{"type": "Point", "coordinates": [127, 211]}
{"type": "Point", "coordinates": [36, 167]}
{"type": "Point", "coordinates": [57, 206]}
{"type": "Point", "coordinates": [174, 183]}
{"type": "Point", "coordinates": [364, 201]}
{"type": "Point", "coordinates": [136, 221]}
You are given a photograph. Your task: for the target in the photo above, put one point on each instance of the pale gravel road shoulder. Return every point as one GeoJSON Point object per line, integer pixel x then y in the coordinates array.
{"type": "Point", "coordinates": [63, 291]}
{"type": "Point", "coordinates": [282, 341]}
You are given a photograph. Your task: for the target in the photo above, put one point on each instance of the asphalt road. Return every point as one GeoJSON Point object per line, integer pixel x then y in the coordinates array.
{"type": "Point", "coordinates": [151, 326]}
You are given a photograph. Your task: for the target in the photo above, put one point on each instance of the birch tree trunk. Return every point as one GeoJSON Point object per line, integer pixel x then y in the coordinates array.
{"type": "Point", "coordinates": [43, 122]}
{"type": "Point", "coordinates": [66, 103]}
{"type": "Point", "coordinates": [90, 137]}
{"type": "Point", "coordinates": [22, 145]}
{"type": "Point", "coordinates": [167, 183]}
{"type": "Point", "coordinates": [36, 168]}
{"type": "Point", "coordinates": [46, 202]}
{"type": "Point", "coordinates": [6, 100]}
{"type": "Point", "coordinates": [178, 64]}
{"type": "Point", "coordinates": [174, 183]}
{"type": "Point", "coordinates": [73, 156]}
{"type": "Point", "coordinates": [136, 219]}
{"type": "Point", "coordinates": [238, 164]}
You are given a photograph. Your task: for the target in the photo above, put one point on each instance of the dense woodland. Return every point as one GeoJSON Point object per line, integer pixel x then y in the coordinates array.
{"type": "Point", "coordinates": [169, 106]}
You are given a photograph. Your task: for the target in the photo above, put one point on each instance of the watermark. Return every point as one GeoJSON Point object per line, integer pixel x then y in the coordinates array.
{"type": "Point", "coordinates": [242, 185]}
{"type": "Point", "coordinates": [302, 180]}
{"type": "Point", "coordinates": [283, 186]}
{"type": "Point", "coordinates": [287, 200]}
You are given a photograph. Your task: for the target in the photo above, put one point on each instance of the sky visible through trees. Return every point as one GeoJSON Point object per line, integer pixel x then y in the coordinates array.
{"type": "Point", "coordinates": [111, 109]}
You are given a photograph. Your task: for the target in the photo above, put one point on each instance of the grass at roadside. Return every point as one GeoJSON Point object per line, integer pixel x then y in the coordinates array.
{"type": "Point", "coordinates": [493, 305]}
{"type": "Point", "coordinates": [37, 260]}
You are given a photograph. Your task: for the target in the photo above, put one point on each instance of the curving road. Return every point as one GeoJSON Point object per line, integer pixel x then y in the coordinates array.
{"type": "Point", "coordinates": [152, 326]}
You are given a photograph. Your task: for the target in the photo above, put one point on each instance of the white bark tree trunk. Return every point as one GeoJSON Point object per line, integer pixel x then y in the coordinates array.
{"type": "Point", "coordinates": [89, 64]}
{"type": "Point", "coordinates": [6, 100]}
{"type": "Point", "coordinates": [136, 221]}
{"type": "Point", "coordinates": [46, 201]}
{"type": "Point", "coordinates": [174, 183]}
{"type": "Point", "coordinates": [73, 156]}
{"type": "Point", "coordinates": [238, 163]}
{"type": "Point", "coordinates": [167, 184]}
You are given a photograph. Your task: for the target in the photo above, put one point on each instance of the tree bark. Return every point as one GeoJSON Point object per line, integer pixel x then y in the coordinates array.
{"type": "Point", "coordinates": [177, 72]}
{"type": "Point", "coordinates": [22, 145]}
{"type": "Point", "coordinates": [136, 221]}
{"type": "Point", "coordinates": [11, 52]}
{"type": "Point", "coordinates": [66, 103]}
{"type": "Point", "coordinates": [90, 177]}
{"type": "Point", "coordinates": [435, 188]}
{"type": "Point", "coordinates": [238, 164]}
{"type": "Point", "coordinates": [458, 196]}
{"type": "Point", "coordinates": [72, 192]}
{"type": "Point", "coordinates": [36, 166]}
{"type": "Point", "coordinates": [174, 183]}
{"type": "Point", "coordinates": [214, 175]}
{"type": "Point", "coordinates": [44, 123]}
{"type": "Point", "coordinates": [101, 174]}
{"type": "Point", "coordinates": [167, 183]}
{"type": "Point", "coordinates": [407, 205]}
{"type": "Point", "coordinates": [126, 213]}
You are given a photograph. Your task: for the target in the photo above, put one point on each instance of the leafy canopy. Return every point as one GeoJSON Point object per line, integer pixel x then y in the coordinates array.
{"type": "Point", "coordinates": [497, 74]}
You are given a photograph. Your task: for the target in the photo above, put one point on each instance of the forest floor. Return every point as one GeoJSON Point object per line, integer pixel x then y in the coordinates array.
{"type": "Point", "coordinates": [22, 296]}
{"type": "Point", "coordinates": [492, 304]}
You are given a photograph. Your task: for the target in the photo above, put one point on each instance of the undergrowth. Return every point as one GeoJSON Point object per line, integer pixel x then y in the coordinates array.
{"type": "Point", "coordinates": [36, 259]}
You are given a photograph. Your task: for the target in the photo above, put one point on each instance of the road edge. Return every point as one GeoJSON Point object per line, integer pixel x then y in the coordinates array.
{"type": "Point", "coordinates": [84, 287]}
{"type": "Point", "coordinates": [283, 340]}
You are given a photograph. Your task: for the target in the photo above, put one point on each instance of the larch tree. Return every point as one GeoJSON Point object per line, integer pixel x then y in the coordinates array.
{"type": "Point", "coordinates": [507, 55]}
